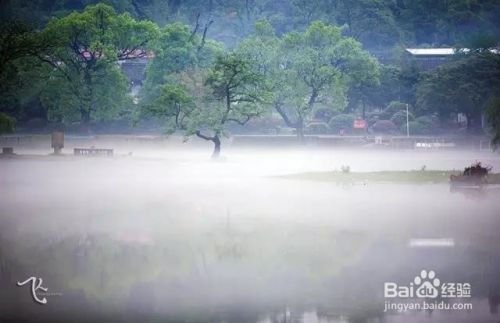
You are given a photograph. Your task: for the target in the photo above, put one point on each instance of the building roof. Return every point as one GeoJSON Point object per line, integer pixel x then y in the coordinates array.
{"type": "Point", "coordinates": [446, 51]}
{"type": "Point", "coordinates": [431, 51]}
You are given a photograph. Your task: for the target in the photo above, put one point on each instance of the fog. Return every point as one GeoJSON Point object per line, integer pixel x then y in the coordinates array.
{"type": "Point", "coordinates": [162, 232]}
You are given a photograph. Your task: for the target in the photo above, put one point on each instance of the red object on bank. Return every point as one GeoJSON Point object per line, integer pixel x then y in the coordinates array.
{"type": "Point", "coordinates": [359, 124]}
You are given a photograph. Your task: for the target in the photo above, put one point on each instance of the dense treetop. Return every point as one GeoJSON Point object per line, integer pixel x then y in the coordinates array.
{"type": "Point", "coordinates": [210, 66]}
{"type": "Point", "coordinates": [376, 23]}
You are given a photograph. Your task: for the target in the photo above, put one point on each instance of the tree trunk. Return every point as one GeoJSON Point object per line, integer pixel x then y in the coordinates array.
{"type": "Point", "coordinates": [300, 130]}
{"type": "Point", "coordinates": [300, 134]}
{"type": "Point", "coordinates": [85, 115]}
{"type": "Point", "coordinates": [85, 125]}
{"type": "Point", "coordinates": [471, 123]}
{"type": "Point", "coordinates": [86, 101]}
{"type": "Point", "coordinates": [216, 141]}
{"type": "Point", "coordinates": [298, 125]}
{"type": "Point", "coordinates": [474, 122]}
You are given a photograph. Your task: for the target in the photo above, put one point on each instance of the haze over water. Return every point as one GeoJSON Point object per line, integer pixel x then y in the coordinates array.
{"type": "Point", "coordinates": [165, 233]}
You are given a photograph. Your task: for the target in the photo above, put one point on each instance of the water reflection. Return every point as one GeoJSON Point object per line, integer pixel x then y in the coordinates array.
{"type": "Point", "coordinates": [228, 282]}
{"type": "Point", "coordinates": [476, 192]}
{"type": "Point", "coordinates": [152, 244]}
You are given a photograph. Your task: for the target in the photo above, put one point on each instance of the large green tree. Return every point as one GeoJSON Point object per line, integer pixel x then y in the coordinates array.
{"type": "Point", "coordinates": [204, 103]}
{"type": "Point", "coordinates": [85, 49]}
{"type": "Point", "coordinates": [177, 49]}
{"type": "Point", "coordinates": [18, 44]}
{"type": "Point", "coordinates": [371, 94]}
{"type": "Point", "coordinates": [308, 68]}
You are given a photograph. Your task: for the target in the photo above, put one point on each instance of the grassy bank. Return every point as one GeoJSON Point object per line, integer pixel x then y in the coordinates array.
{"type": "Point", "coordinates": [412, 176]}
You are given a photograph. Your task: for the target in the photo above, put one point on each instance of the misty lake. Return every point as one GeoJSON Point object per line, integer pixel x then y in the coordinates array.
{"type": "Point", "coordinates": [172, 236]}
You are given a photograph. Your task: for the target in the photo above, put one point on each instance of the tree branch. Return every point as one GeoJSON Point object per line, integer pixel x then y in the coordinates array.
{"type": "Point", "coordinates": [196, 26]}
{"type": "Point", "coordinates": [199, 134]}
{"type": "Point", "coordinates": [283, 114]}
{"type": "Point", "coordinates": [204, 35]}
{"type": "Point", "coordinates": [240, 122]}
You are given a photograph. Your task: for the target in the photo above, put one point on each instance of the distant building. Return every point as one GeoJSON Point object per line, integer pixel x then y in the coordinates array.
{"type": "Point", "coordinates": [426, 58]}
{"type": "Point", "coordinates": [134, 69]}
{"type": "Point", "coordinates": [133, 64]}
{"type": "Point", "coordinates": [429, 58]}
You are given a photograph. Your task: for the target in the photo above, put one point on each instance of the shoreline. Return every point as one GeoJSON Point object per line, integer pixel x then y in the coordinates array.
{"type": "Point", "coordinates": [410, 176]}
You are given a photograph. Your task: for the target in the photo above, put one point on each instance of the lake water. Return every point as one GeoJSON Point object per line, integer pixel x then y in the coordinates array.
{"type": "Point", "coordinates": [168, 235]}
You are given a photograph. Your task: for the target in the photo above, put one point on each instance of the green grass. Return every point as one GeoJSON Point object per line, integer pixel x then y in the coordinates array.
{"type": "Point", "coordinates": [412, 176]}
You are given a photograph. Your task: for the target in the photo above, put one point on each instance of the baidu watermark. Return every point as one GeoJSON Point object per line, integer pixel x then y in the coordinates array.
{"type": "Point", "coordinates": [427, 292]}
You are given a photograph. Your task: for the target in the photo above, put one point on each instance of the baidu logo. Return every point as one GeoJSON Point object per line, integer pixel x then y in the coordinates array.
{"type": "Point", "coordinates": [426, 292]}
{"type": "Point", "coordinates": [427, 285]}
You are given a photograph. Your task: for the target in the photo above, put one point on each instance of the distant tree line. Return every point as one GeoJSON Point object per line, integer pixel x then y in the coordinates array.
{"type": "Point", "coordinates": [308, 63]}
{"type": "Point", "coordinates": [375, 23]}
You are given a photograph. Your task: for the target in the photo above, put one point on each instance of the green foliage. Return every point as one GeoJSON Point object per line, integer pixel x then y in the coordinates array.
{"type": "Point", "coordinates": [18, 43]}
{"type": "Point", "coordinates": [377, 24]}
{"type": "Point", "coordinates": [342, 122]}
{"type": "Point", "coordinates": [447, 22]}
{"type": "Point", "coordinates": [173, 105]}
{"type": "Point", "coordinates": [463, 86]}
{"type": "Point", "coordinates": [322, 112]}
{"type": "Point", "coordinates": [85, 82]}
{"type": "Point", "coordinates": [233, 80]}
{"type": "Point", "coordinates": [384, 126]}
{"type": "Point", "coordinates": [326, 64]}
{"type": "Point", "coordinates": [430, 120]}
{"type": "Point", "coordinates": [416, 128]}
{"type": "Point", "coordinates": [263, 29]}
{"type": "Point", "coordinates": [411, 176]}
{"type": "Point", "coordinates": [317, 128]}
{"type": "Point", "coordinates": [104, 93]}
{"type": "Point", "coordinates": [364, 78]}
{"type": "Point", "coordinates": [399, 118]}
{"type": "Point", "coordinates": [174, 52]}
{"type": "Point", "coordinates": [308, 52]}
{"type": "Point", "coordinates": [202, 104]}
{"type": "Point", "coordinates": [7, 124]}
{"type": "Point", "coordinates": [388, 89]}
{"type": "Point", "coordinates": [370, 21]}
{"type": "Point", "coordinates": [303, 69]}
{"type": "Point", "coordinates": [267, 123]}
{"type": "Point", "coordinates": [10, 85]}
{"type": "Point", "coordinates": [263, 49]}
{"type": "Point", "coordinates": [236, 91]}
{"type": "Point", "coordinates": [392, 108]}
{"type": "Point", "coordinates": [372, 117]}
{"type": "Point", "coordinates": [17, 40]}
{"type": "Point", "coordinates": [177, 49]}
{"type": "Point", "coordinates": [479, 41]}
{"type": "Point", "coordinates": [423, 125]}
{"type": "Point", "coordinates": [98, 32]}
